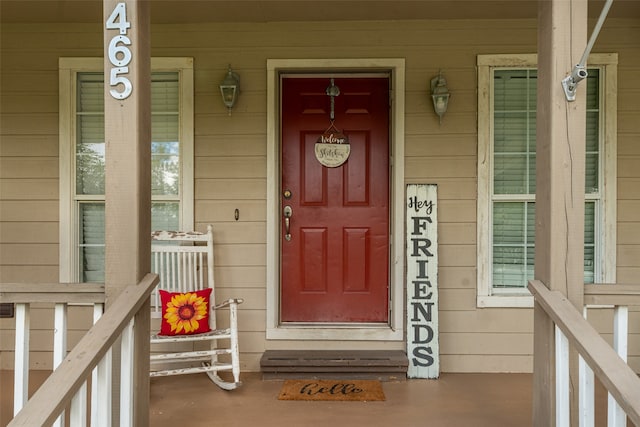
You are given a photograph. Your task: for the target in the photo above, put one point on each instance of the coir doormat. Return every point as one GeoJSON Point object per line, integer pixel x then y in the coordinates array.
{"type": "Point", "coordinates": [335, 390]}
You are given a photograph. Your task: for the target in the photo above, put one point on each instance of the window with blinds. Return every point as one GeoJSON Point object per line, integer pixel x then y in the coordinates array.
{"type": "Point", "coordinates": [90, 165]}
{"type": "Point", "coordinates": [513, 178]}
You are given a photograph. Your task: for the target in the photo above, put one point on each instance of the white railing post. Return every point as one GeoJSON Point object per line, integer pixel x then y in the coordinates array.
{"type": "Point", "coordinates": [615, 415]}
{"type": "Point", "coordinates": [59, 344]}
{"type": "Point", "coordinates": [127, 362]}
{"type": "Point", "coordinates": [21, 367]}
{"type": "Point", "coordinates": [562, 379]}
{"type": "Point", "coordinates": [586, 391]}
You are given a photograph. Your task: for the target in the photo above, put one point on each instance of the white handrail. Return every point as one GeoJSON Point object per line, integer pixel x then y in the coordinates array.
{"type": "Point", "coordinates": [612, 371]}
{"type": "Point", "coordinates": [23, 295]}
{"type": "Point", "coordinates": [94, 350]}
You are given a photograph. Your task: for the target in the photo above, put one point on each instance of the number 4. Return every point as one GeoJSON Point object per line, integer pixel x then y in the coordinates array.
{"type": "Point", "coordinates": [118, 19]}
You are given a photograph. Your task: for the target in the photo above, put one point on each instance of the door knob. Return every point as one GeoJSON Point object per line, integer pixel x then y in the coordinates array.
{"type": "Point", "coordinates": [288, 213]}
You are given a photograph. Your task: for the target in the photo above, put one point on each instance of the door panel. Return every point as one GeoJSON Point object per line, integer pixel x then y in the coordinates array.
{"type": "Point", "coordinates": [335, 267]}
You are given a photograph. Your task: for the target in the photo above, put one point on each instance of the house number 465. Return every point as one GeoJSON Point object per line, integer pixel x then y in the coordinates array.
{"type": "Point", "coordinates": [119, 53]}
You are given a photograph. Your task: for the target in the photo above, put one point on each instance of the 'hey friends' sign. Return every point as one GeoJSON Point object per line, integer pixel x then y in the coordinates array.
{"type": "Point", "coordinates": [422, 281]}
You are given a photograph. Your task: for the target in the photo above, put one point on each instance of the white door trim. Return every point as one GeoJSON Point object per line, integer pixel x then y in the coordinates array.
{"type": "Point", "coordinates": [394, 330]}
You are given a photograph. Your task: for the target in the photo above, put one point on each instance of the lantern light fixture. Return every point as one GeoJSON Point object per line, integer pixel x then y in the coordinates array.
{"type": "Point", "coordinates": [230, 88]}
{"type": "Point", "coordinates": [440, 95]}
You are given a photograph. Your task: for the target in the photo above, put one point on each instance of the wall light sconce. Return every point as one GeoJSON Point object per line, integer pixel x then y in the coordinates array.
{"type": "Point", "coordinates": [439, 95]}
{"type": "Point", "coordinates": [230, 88]}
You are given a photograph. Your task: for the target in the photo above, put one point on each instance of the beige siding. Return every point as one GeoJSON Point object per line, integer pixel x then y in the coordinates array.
{"type": "Point", "coordinates": [628, 251]}
{"type": "Point", "coordinates": [231, 169]}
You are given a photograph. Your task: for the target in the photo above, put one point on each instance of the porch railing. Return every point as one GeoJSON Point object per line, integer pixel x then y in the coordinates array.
{"type": "Point", "coordinates": [596, 355]}
{"type": "Point", "coordinates": [90, 361]}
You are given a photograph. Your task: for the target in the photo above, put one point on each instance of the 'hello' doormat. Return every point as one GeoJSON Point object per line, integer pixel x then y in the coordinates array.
{"type": "Point", "coordinates": [335, 390]}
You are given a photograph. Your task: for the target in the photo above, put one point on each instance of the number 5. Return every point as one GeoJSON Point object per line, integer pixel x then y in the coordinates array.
{"type": "Point", "coordinates": [116, 80]}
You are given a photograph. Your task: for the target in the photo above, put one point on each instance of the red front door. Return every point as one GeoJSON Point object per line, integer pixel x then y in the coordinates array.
{"type": "Point", "coordinates": [335, 263]}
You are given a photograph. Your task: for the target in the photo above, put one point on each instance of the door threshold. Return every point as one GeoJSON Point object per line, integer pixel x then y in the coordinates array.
{"type": "Point", "coordinates": [324, 325]}
{"type": "Point", "coordinates": [383, 365]}
{"type": "Point", "coordinates": [333, 332]}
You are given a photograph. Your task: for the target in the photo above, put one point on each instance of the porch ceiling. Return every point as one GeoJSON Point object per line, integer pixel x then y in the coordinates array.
{"type": "Point", "coordinates": [192, 11]}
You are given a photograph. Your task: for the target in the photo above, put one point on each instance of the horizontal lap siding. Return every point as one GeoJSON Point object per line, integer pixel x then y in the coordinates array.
{"type": "Point", "coordinates": [623, 39]}
{"type": "Point", "coordinates": [628, 230]}
{"type": "Point", "coordinates": [28, 168]}
{"type": "Point", "coordinates": [231, 169]}
{"type": "Point", "coordinates": [446, 156]}
{"type": "Point", "coordinates": [29, 171]}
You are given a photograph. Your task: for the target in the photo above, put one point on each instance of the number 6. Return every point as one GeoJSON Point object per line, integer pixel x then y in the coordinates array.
{"type": "Point", "coordinates": [122, 50]}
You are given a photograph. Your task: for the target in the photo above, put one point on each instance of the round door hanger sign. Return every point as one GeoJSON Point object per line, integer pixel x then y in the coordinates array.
{"type": "Point", "coordinates": [332, 149]}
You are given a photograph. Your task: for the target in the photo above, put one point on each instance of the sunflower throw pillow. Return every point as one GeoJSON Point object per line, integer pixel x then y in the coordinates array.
{"type": "Point", "coordinates": [185, 313]}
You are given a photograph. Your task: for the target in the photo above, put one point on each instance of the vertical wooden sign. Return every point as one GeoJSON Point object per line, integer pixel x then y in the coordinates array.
{"type": "Point", "coordinates": [422, 281]}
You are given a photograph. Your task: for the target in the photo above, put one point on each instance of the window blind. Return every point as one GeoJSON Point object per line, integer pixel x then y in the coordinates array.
{"type": "Point", "coordinates": [90, 165]}
{"type": "Point", "coordinates": [514, 176]}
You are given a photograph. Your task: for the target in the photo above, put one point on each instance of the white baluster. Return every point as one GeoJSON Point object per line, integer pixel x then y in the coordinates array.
{"type": "Point", "coordinates": [615, 415]}
{"type": "Point", "coordinates": [98, 309]}
{"type": "Point", "coordinates": [127, 363]}
{"type": "Point", "coordinates": [103, 409]}
{"type": "Point", "coordinates": [21, 368]}
{"type": "Point", "coordinates": [78, 411]}
{"type": "Point", "coordinates": [562, 379]}
{"type": "Point", "coordinates": [59, 344]}
{"type": "Point", "coordinates": [586, 403]}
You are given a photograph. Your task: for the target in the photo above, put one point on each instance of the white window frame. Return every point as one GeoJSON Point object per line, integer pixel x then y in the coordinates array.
{"type": "Point", "coordinates": [68, 69]}
{"type": "Point", "coordinates": [605, 226]}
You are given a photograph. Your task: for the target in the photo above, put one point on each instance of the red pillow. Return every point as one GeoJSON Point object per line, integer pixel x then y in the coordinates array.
{"type": "Point", "coordinates": [185, 313]}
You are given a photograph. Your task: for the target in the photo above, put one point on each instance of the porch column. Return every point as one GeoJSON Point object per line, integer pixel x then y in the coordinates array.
{"type": "Point", "coordinates": [127, 79]}
{"type": "Point", "coordinates": [562, 26]}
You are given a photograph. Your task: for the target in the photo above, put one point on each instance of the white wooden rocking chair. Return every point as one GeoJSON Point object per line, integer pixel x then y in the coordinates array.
{"type": "Point", "coordinates": [181, 260]}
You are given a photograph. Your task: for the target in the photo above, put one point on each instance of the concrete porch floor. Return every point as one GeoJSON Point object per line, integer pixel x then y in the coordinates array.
{"type": "Point", "coordinates": [474, 400]}
{"type": "Point", "coordinates": [453, 400]}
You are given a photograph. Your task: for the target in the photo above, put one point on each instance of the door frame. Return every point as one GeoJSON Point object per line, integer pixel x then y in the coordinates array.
{"type": "Point", "coordinates": [393, 331]}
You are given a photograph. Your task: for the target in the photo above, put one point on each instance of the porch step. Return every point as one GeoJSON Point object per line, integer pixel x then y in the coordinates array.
{"type": "Point", "coordinates": [383, 365]}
